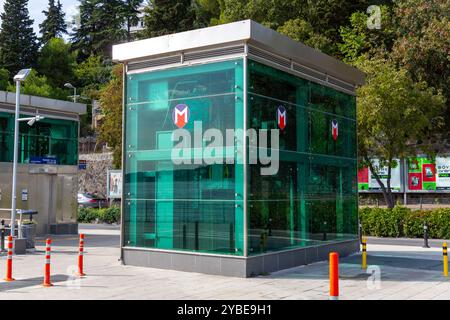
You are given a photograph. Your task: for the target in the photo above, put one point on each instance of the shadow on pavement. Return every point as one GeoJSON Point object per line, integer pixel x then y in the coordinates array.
{"type": "Point", "coordinates": [31, 282]}
{"type": "Point", "coordinates": [391, 268]}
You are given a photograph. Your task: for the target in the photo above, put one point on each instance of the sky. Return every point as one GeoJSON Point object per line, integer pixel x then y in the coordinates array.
{"type": "Point", "coordinates": [35, 8]}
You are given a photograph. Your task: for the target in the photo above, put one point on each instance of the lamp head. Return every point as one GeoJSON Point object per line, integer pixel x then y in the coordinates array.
{"type": "Point", "coordinates": [22, 75]}
{"type": "Point", "coordinates": [69, 85]}
{"type": "Point", "coordinates": [34, 120]}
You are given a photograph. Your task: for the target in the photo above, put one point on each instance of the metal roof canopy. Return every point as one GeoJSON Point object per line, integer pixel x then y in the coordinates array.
{"type": "Point", "coordinates": [44, 105]}
{"type": "Point", "coordinates": [296, 55]}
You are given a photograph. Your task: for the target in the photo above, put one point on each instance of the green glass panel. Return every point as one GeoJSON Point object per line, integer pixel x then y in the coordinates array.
{"type": "Point", "coordinates": [312, 199]}
{"type": "Point", "coordinates": [195, 206]}
{"type": "Point", "coordinates": [47, 138]}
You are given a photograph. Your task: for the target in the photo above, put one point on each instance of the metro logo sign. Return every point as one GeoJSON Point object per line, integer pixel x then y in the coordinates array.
{"type": "Point", "coordinates": [281, 117]}
{"type": "Point", "coordinates": [181, 115]}
{"type": "Point", "coordinates": [335, 129]}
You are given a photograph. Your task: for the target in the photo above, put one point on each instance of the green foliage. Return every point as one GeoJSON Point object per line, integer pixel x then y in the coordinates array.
{"type": "Point", "coordinates": [92, 74]}
{"type": "Point", "coordinates": [54, 25]}
{"type": "Point", "coordinates": [403, 222]}
{"type": "Point", "coordinates": [101, 26]}
{"type": "Point", "coordinates": [56, 62]}
{"type": "Point", "coordinates": [358, 39]}
{"type": "Point", "coordinates": [4, 79]}
{"type": "Point", "coordinates": [302, 31]}
{"type": "Point", "coordinates": [107, 215]}
{"type": "Point", "coordinates": [37, 85]}
{"type": "Point", "coordinates": [394, 115]}
{"type": "Point", "coordinates": [422, 46]}
{"type": "Point", "coordinates": [111, 105]}
{"type": "Point", "coordinates": [18, 42]}
{"type": "Point", "coordinates": [164, 17]}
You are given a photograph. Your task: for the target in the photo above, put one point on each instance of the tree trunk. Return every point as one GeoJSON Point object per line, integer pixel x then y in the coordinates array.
{"type": "Point", "coordinates": [387, 193]}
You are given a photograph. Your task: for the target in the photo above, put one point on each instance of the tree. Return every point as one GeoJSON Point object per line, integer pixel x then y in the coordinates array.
{"type": "Point", "coordinates": [395, 117]}
{"type": "Point", "coordinates": [54, 25]}
{"type": "Point", "coordinates": [18, 42]}
{"type": "Point", "coordinates": [130, 13]}
{"type": "Point", "coordinates": [56, 62]}
{"type": "Point", "coordinates": [91, 75]}
{"type": "Point", "coordinates": [101, 26]}
{"type": "Point", "coordinates": [37, 85]}
{"type": "Point", "coordinates": [164, 17]}
{"type": "Point", "coordinates": [4, 79]}
{"type": "Point", "coordinates": [302, 31]}
{"type": "Point", "coordinates": [111, 106]}
{"type": "Point", "coordinates": [422, 46]}
{"type": "Point", "coordinates": [358, 39]}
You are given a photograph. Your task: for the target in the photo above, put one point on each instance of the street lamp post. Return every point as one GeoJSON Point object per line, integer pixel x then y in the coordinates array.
{"type": "Point", "coordinates": [70, 86]}
{"type": "Point", "coordinates": [21, 76]}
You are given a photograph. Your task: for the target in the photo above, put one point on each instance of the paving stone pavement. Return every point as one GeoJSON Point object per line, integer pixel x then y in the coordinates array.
{"type": "Point", "coordinates": [395, 272]}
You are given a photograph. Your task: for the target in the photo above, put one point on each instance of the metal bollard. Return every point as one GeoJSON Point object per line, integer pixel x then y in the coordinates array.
{"type": "Point", "coordinates": [334, 276]}
{"type": "Point", "coordinates": [445, 256]}
{"type": "Point", "coordinates": [2, 236]}
{"type": "Point", "coordinates": [425, 236]}
{"type": "Point", "coordinates": [364, 254]}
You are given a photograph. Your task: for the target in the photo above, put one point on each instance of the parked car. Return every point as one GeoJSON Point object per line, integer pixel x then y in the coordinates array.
{"type": "Point", "coordinates": [90, 200]}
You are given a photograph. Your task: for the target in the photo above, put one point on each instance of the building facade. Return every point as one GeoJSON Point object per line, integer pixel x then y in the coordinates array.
{"type": "Point", "coordinates": [48, 161]}
{"type": "Point", "coordinates": [239, 152]}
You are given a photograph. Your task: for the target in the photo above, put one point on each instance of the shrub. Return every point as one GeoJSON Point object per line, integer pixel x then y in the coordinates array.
{"type": "Point", "coordinates": [109, 215]}
{"type": "Point", "coordinates": [403, 222]}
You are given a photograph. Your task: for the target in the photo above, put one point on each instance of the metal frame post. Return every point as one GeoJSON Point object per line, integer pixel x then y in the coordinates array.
{"type": "Point", "coordinates": [16, 155]}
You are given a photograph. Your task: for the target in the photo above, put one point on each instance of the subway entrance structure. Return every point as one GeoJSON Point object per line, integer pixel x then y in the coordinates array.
{"type": "Point", "coordinates": [225, 217]}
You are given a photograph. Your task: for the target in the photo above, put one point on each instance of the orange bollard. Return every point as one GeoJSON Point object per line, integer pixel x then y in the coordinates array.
{"type": "Point", "coordinates": [47, 282]}
{"type": "Point", "coordinates": [9, 260]}
{"type": "Point", "coordinates": [334, 276]}
{"type": "Point", "coordinates": [80, 256]}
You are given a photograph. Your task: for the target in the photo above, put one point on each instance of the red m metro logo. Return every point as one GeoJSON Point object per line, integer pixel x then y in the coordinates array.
{"type": "Point", "coordinates": [335, 129]}
{"type": "Point", "coordinates": [180, 115]}
{"type": "Point", "coordinates": [281, 117]}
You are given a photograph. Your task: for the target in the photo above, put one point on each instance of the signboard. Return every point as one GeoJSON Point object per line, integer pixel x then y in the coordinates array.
{"type": "Point", "coordinates": [368, 182]}
{"type": "Point", "coordinates": [114, 184]}
{"type": "Point", "coordinates": [383, 174]}
{"type": "Point", "coordinates": [82, 165]}
{"type": "Point", "coordinates": [443, 174]}
{"type": "Point", "coordinates": [44, 160]}
{"type": "Point", "coordinates": [421, 174]}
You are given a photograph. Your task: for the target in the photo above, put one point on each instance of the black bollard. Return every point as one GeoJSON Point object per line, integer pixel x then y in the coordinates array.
{"type": "Point", "coordinates": [425, 236]}
{"type": "Point", "coordinates": [324, 231]}
{"type": "Point", "coordinates": [184, 237]}
{"type": "Point", "coordinates": [197, 246]}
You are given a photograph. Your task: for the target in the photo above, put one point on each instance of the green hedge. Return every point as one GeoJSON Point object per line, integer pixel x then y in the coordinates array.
{"type": "Point", "coordinates": [404, 222]}
{"type": "Point", "coordinates": [108, 215]}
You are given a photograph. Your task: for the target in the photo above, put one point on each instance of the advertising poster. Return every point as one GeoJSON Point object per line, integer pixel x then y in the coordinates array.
{"type": "Point", "coordinates": [363, 179]}
{"type": "Point", "coordinates": [368, 182]}
{"type": "Point", "coordinates": [383, 174]}
{"type": "Point", "coordinates": [421, 174]}
{"type": "Point", "coordinates": [114, 184]}
{"type": "Point", "coordinates": [443, 174]}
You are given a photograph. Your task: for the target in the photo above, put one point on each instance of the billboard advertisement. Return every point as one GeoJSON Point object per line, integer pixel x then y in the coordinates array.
{"type": "Point", "coordinates": [443, 174]}
{"type": "Point", "coordinates": [114, 184]}
{"type": "Point", "coordinates": [368, 182]}
{"type": "Point", "coordinates": [421, 174]}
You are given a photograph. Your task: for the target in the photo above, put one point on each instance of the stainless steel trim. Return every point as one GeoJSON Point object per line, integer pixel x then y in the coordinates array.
{"type": "Point", "coordinates": [245, 90]}
{"type": "Point", "coordinates": [183, 252]}
{"type": "Point", "coordinates": [122, 203]}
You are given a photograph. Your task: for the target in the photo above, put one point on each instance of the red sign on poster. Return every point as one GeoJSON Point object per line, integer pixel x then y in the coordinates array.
{"type": "Point", "coordinates": [415, 181]}
{"type": "Point", "coordinates": [429, 172]}
{"type": "Point", "coordinates": [363, 175]}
